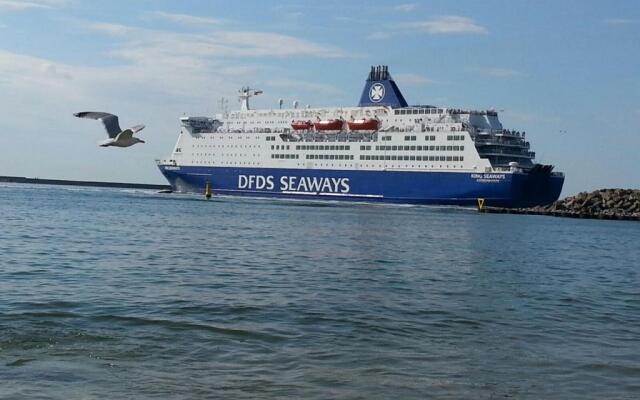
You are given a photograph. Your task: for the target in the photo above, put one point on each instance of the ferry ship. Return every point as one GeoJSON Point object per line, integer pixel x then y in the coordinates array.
{"type": "Point", "coordinates": [382, 150]}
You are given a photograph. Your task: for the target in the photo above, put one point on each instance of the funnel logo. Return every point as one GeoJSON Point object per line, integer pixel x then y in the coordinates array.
{"type": "Point", "coordinates": [376, 93]}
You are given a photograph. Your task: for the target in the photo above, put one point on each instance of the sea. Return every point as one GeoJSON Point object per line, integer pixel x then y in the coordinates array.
{"type": "Point", "coordinates": [112, 293]}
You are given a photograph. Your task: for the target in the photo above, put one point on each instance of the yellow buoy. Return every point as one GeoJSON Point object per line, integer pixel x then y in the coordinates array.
{"type": "Point", "coordinates": [207, 190]}
{"type": "Point", "coordinates": [480, 204]}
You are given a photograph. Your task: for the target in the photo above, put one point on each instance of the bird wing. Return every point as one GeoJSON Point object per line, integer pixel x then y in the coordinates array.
{"type": "Point", "coordinates": [137, 128]}
{"type": "Point", "coordinates": [127, 134]}
{"type": "Point", "coordinates": [109, 121]}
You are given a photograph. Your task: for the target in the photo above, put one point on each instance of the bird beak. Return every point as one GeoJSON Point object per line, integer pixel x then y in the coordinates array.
{"type": "Point", "coordinates": [142, 141]}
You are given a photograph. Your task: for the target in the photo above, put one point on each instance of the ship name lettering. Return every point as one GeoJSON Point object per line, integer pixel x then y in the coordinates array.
{"type": "Point", "coordinates": [314, 184]}
{"type": "Point", "coordinates": [258, 182]}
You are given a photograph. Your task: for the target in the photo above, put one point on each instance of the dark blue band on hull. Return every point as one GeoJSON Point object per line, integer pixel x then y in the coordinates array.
{"type": "Point", "coordinates": [452, 188]}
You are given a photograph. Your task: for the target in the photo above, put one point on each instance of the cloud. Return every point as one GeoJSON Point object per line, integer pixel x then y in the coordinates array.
{"type": "Point", "coordinates": [619, 21]}
{"type": "Point", "coordinates": [298, 86]}
{"type": "Point", "coordinates": [20, 5]}
{"type": "Point", "coordinates": [186, 19]}
{"type": "Point", "coordinates": [412, 79]}
{"type": "Point", "coordinates": [156, 77]}
{"type": "Point", "coordinates": [408, 7]}
{"type": "Point", "coordinates": [111, 29]}
{"type": "Point", "coordinates": [148, 44]}
{"type": "Point", "coordinates": [449, 25]}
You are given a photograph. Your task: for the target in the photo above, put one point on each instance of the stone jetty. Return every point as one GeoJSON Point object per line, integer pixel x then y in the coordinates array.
{"type": "Point", "coordinates": [620, 204]}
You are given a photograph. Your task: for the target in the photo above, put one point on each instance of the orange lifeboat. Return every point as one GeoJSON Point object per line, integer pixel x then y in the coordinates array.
{"type": "Point", "coordinates": [301, 125]}
{"type": "Point", "coordinates": [370, 124]}
{"type": "Point", "coordinates": [329, 125]}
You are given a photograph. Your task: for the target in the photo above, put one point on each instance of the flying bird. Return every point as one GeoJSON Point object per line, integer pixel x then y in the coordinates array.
{"type": "Point", "coordinates": [117, 136]}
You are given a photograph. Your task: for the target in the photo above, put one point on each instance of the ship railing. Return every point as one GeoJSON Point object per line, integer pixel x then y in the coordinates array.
{"type": "Point", "coordinates": [499, 142]}
{"type": "Point", "coordinates": [526, 154]}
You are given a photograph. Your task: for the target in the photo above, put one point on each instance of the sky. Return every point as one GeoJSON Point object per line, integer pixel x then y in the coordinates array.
{"type": "Point", "coordinates": [564, 71]}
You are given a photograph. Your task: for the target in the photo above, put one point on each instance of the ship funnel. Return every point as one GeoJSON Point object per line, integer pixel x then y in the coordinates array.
{"type": "Point", "coordinates": [381, 90]}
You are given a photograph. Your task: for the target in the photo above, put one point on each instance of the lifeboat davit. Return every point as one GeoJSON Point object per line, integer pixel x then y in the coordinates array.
{"type": "Point", "coordinates": [329, 125]}
{"type": "Point", "coordinates": [370, 124]}
{"type": "Point", "coordinates": [301, 125]}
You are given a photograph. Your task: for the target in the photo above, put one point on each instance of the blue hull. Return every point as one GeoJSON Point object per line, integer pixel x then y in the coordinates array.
{"type": "Point", "coordinates": [451, 188]}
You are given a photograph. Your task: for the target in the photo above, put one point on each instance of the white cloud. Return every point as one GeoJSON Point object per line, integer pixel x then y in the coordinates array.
{"type": "Point", "coordinates": [111, 29]}
{"type": "Point", "coordinates": [408, 7]}
{"type": "Point", "coordinates": [412, 79]}
{"type": "Point", "coordinates": [449, 25]}
{"type": "Point", "coordinates": [159, 76]}
{"type": "Point", "coordinates": [19, 5]}
{"type": "Point", "coordinates": [144, 44]}
{"type": "Point", "coordinates": [298, 86]}
{"type": "Point", "coordinates": [620, 21]}
{"type": "Point", "coordinates": [186, 19]}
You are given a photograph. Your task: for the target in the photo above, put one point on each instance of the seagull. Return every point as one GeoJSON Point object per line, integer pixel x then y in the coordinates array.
{"type": "Point", "coordinates": [117, 136]}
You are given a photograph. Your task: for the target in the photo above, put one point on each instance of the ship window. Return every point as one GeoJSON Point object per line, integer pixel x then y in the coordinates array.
{"type": "Point", "coordinates": [407, 147]}
{"type": "Point", "coordinates": [461, 158]}
{"type": "Point", "coordinates": [347, 147]}
{"type": "Point", "coordinates": [418, 158]}
{"type": "Point", "coordinates": [413, 147]}
{"type": "Point", "coordinates": [456, 158]}
{"type": "Point", "coordinates": [412, 158]}
{"type": "Point", "coordinates": [461, 148]}
{"type": "Point", "coordinates": [449, 148]}
{"type": "Point", "coordinates": [413, 138]}
{"type": "Point", "coordinates": [415, 111]}
{"type": "Point", "coordinates": [393, 158]}
{"type": "Point", "coordinates": [273, 156]}
{"type": "Point", "coordinates": [419, 148]}
{"type": "Point", "coordinates": [406, 138]}
{"type": "Point", "coordinates": [396, 112]}
{"type": "Point", "coordinates": [394, 148]}
{"type": "Point", "coordinates": [406, 158]}
{"type": "Point", "coordinates": [449, 158]}
{"type": "Point", "coordinates": [433, 137]}
{"type": "Point", "coordinates": [367, 157]}
{"type": "Point", "coordinates": [387, 158]}
{"type": "Point", "coordinates": [287, 147]}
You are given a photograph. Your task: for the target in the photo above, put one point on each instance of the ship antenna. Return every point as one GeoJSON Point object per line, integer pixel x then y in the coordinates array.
{"type": "Point", "coordinates": [245, 94]}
